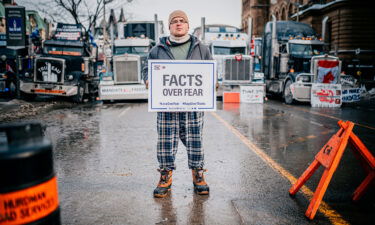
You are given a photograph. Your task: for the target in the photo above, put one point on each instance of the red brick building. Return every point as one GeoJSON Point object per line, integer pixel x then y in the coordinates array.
{"type": "Point", "coordinates": [349, 28]}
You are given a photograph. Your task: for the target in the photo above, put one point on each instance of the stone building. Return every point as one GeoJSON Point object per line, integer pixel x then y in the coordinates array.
{"type": "Point", "coordinates": [349, 27]}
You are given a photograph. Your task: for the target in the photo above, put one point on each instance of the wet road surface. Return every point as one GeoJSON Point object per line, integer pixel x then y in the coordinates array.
{"type": "Point", "coordinates": [105, 159]}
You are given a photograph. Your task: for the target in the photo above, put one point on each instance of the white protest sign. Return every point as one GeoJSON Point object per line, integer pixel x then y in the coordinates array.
{"type": "Point", "coordinates": [326, 95]}
{"type": "Point", "coordinates": [181, 85]}
{"type": "Point", "coordinates": [252, 93]}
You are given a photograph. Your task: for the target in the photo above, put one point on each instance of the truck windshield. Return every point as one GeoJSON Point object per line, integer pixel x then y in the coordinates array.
{"type": "Point", "coordinates": [305, 49]}
{"type": "Point", "coordinates": [228, 51]}
{"type": "Point", "coordinates": [139, 50]}
{"type": "Point", "coordinates": [62, 50]}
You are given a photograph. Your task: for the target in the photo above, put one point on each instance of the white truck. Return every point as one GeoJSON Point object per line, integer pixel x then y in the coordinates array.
{"type": "Point", "coordinates": [230, 48]}
{"type": "Point", "coordinates": [129, 53]}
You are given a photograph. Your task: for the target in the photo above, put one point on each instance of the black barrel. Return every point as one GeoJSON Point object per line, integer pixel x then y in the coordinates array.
{"type": "Point", "coordinates": [28, 185]}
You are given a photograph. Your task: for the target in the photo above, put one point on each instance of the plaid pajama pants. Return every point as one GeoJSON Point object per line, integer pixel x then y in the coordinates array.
{"type": "Point", "coordinates": [187, 126]}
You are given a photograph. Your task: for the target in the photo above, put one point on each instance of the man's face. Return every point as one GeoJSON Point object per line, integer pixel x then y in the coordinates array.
{"type": "Point", "coordinates": [178, 27]}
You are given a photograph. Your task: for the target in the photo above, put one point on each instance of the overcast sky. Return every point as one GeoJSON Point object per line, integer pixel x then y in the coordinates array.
{"type": "Point", "coordinates": [215, 11]}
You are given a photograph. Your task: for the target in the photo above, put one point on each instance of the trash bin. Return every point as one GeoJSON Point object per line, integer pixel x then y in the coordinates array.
{"type": "Point", "coordinates": [28, 185]}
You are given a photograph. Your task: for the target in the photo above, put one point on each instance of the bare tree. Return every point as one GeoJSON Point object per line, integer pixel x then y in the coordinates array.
{"type": "Point", "coordinates": [85, 12]}
{"type": "Point", "coordinates": [89, 14]}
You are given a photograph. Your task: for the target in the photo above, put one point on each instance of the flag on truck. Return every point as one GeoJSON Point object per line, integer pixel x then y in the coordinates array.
{"type": "Point", "coordinates": [328, 71]}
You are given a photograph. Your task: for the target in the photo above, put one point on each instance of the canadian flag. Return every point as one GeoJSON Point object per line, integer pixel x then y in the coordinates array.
{"type": "Point", "coordinates": [328, 71]}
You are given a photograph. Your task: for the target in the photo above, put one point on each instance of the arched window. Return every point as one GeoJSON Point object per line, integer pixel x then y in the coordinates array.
{"type": "Point", "coordinates": [283, 14]}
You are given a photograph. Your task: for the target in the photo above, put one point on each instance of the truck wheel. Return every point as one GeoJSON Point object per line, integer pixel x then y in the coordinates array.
{"type": "Point", "coordinates": [288, 96]}
{"type": "Point", "coordinates": [78, 98]}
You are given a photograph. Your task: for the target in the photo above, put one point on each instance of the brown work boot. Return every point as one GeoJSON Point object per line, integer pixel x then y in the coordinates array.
{"type": "Point", "coordinates": [164, 184]}
{"type": "Point", "coordinates": [200, 185]}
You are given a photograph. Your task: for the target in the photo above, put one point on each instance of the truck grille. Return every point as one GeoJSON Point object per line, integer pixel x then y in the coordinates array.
{"type": "Point", "coordinates": [237, 70]}
{"type": "Point", "coordinates": [126, 69]}
{"type": "Point", "coordinates": [49, 70]}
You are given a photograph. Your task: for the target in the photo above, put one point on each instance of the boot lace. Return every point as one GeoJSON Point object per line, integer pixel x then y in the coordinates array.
{"type": "Point", "coordinates": [199, 175]}
{"type": "Point", "coordinates": [164, 175]}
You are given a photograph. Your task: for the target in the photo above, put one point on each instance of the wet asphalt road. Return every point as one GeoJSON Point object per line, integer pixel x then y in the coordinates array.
{"type": "Point", "coordinates": [106, 165]}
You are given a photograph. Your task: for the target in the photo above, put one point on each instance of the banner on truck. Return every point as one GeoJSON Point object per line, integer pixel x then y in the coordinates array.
{"type": "Point", "coordinates": [182, 85]}
{"type": "Point", "coordinates": [326, 95]}
{"type": "Point", "coordinates": [71, 32]}
{"type": "Point", "coordinates": [328, 71]}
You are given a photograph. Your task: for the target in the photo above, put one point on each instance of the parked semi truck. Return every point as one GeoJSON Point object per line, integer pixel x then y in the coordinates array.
{"type": "Point", "coordinates": [231, 49]}
{"type": "Point", "coordinates": [129, 54]}
{"type": "Point", "coordinates": [288, 50]}
{"type": "Point", "coordinates": [65, 67]}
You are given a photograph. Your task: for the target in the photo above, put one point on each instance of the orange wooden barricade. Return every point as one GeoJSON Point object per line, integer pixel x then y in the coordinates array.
{"type": "Point", "coordinates": [329, 157]}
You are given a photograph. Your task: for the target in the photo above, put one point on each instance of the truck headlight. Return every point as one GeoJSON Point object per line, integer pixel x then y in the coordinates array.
{"type": "Point", "coordinates": [258, 75]}
{"type": "Point", "coordinates": [107, 78]}
{"type": "Point", "coordinates": [303, 79]}
{"type": "Point", "coordinates": [27, 74]}
{"type": "Point", "coordinates": [3, 57]}
{"type": "Point", "coordinates": [70, 77]}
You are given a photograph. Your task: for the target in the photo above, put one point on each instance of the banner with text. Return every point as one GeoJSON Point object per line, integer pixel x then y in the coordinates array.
{"type": "Point", "coordinates": [181, 85]}
{"type": "Point", "coordinates": [15, 27]}
{"type": "Point", "coordinates": [326, 95]}
{"type": "Point", "coordinates": [252, 93]}
{"type": "Point", "coordinates": [68, 31]}
{"type": "Point", "coordinates": [351, 94]}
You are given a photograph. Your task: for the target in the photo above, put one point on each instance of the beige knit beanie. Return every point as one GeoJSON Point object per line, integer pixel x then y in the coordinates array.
{"type": "Point", "coordinates": [178, 13]}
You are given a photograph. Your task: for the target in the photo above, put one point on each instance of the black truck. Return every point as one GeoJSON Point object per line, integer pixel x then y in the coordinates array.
{"type": "Point", "coordinates": [288, 52]}
{"type": "Point", "coordinates": [64, 68]}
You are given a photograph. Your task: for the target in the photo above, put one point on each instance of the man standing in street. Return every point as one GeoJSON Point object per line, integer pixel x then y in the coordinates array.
{"type": "Point", "coordinates": [172, 126]}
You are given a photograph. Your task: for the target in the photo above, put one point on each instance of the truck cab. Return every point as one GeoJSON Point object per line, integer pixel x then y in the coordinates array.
{"type": "Point", "coordinates": [65, 68]}
{"type": "Point", "coordinates": [287, 54]}
{"type": "Point", "coordinates": [230, 48]}
{"type": "Point", "coordinates": [130, 51]}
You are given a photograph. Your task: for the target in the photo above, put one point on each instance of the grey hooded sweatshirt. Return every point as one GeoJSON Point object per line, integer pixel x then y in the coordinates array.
{"type": "Point", "coordinates": [197, 51]}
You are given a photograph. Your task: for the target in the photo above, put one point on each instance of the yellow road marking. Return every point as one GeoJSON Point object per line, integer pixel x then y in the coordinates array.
{"type": "Point", "coordinates": [333, 216]}
{"type": "Point", "coordinates": [328, 116]}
